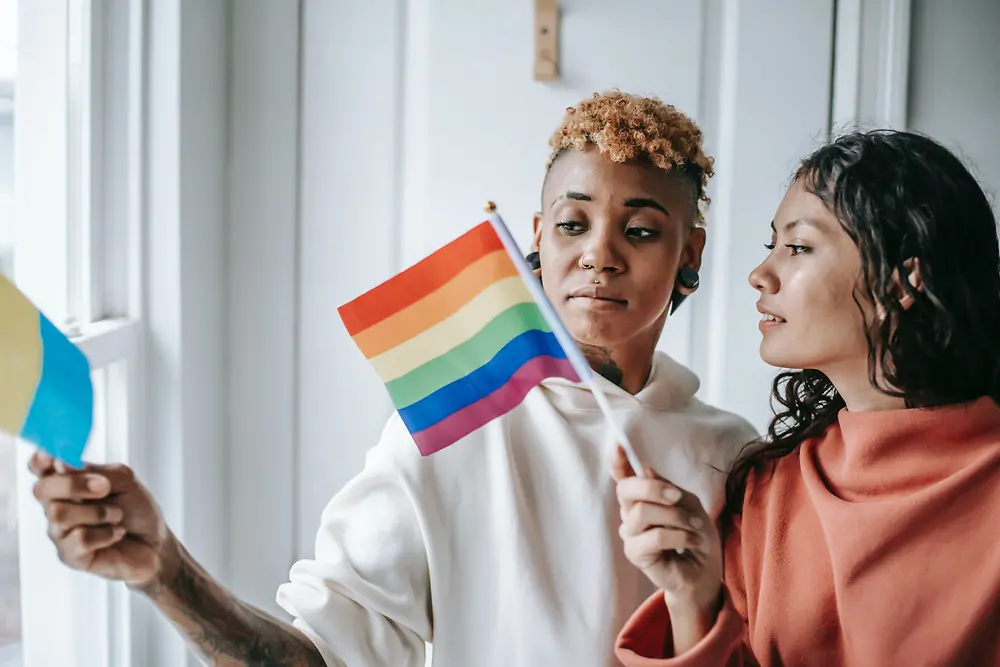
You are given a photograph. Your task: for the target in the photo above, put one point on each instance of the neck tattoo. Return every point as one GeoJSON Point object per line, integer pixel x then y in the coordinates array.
{"type": "Point", "coordinates": [602, 363]}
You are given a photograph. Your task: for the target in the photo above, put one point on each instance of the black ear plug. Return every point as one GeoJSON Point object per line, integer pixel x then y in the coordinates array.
{"type": "Point", "coordinates": [533, 260]}
{"type": "Point", "coordinates": [688, 279]}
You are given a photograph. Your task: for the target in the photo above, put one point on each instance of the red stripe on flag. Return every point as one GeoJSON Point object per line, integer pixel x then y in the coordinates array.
{"type": "Point", "coordinates": [416, 282]}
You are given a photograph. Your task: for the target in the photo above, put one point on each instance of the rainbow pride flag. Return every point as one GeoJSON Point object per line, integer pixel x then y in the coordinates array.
{"type": "Point", "coordinates": [458, 338]}
{"type": "Point", "coordinates": [46, 394]}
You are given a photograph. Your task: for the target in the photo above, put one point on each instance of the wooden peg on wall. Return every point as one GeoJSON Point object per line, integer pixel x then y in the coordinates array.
{"type": "Point", "coordinates": [546, 40]}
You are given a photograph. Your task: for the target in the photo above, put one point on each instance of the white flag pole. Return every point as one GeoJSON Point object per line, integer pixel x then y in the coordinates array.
{"type": "Point", "coordinates": [573, 353]}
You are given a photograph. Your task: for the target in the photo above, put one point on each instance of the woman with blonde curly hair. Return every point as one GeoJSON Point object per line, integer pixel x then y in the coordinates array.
{"type": "Point", "coordinates": [502, 549]}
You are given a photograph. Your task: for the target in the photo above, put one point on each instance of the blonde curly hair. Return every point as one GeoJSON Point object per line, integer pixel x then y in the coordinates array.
{"type": "Point", "coordinates": [627, 127]}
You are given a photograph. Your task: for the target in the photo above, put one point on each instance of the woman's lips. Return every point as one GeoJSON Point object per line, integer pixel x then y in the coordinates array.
{"type": "Point", "coordinates": [597, 298]}
{"type": "Point", "coordinates": [594, 303]}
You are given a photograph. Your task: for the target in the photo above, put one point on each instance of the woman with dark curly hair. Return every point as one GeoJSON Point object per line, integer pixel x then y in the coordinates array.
{"type": "Point", "coordinates": [862, 529]}
{"type": "Point", "coordinates": [501, 549]}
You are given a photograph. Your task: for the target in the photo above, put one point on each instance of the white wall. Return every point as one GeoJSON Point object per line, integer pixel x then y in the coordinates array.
{"type": "Point", "coordinates": [476, 123]}
{"type": "Point", "coordinates": [954, 92]}
{"type": "Point", "coordinates": [262, 293]}
{"type": "Point", "coordinates": [349, 232]}
{"type": "Point", "coordinates": [767, 85]}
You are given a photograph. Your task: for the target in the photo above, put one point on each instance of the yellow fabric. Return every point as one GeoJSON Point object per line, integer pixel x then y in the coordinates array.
{"type": "Point", "coordinates": [20, 357]}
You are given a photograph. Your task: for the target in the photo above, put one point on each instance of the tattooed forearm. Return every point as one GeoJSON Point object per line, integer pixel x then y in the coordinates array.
{"type": "Point", "coordinates": [601, 361]}
{"type": "Point", "coordinates": [221, 629]}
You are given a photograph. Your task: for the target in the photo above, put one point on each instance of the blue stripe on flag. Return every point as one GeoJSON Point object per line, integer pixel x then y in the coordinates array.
{"type": "Point", "coordinates": [481, 382]}
{"type": "Point", "coordinates": [62, 413]}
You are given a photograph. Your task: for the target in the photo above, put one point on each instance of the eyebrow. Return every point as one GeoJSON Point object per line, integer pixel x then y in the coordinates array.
{"type": "Point", "coordinates": [801, 221]}
{"type": "Point", "coordinates": [571, 194]}
{"type": "Point", "coordinates": [635, 202]}
{"type": "Point", "coordinates": [645, 202]}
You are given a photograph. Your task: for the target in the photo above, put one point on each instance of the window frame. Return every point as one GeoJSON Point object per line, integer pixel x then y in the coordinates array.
{"type": "Point", "coordinates": [79, 159]}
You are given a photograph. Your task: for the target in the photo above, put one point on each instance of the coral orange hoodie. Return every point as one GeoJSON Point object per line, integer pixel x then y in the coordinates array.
{"type": "Point", "coordinates": [878, 544]}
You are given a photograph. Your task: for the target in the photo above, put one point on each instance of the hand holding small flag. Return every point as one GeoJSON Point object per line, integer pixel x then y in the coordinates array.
{"type": "Point", "coordinates": [103, 521]}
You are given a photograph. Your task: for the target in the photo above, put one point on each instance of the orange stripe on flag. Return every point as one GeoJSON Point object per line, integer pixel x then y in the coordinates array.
{"type": "Point", "coordinates": [436, 306]}
{"type": "Point", "coordinates": [419, 280]}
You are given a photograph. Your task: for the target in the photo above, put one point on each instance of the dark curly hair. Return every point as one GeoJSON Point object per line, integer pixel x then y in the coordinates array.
{"type": "Point", "coordinates": [900, 196]}
{"type": "Point", "coordinates": [626, 127]}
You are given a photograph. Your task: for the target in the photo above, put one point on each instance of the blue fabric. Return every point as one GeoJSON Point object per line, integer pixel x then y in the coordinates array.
{"type": "Point", "coordinates": [62, 414]}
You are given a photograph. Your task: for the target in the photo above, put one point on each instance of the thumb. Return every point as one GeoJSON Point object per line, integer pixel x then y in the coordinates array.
{"type": "Point", "coordinates": [620, 466]}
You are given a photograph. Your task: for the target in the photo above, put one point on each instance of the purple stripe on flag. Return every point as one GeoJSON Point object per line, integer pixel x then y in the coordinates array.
{"type": "Point", "coordinates": [458, 425]}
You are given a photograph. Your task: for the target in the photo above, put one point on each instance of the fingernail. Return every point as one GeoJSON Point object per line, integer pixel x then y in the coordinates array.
{"type": "Point", "coordinates": [119, 532]}
{"type": "Point", "coordinates": [696, 522]}
{"type": "Point", "coordinates": [97, 484]}
{"type": "Point", "coordinates": [672, 495]}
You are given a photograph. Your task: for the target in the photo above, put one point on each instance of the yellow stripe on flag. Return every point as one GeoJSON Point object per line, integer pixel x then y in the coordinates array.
{"type": "Point", "coordinates": [453, 331]}
{"type": "Point", "coordinates": [436, 306]}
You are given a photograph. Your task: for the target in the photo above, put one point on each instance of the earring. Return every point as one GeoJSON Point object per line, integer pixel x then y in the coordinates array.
{"type": "Point", "coordinates": [688, 279]}
{"type": "Point", "coordinates": [533, 260]}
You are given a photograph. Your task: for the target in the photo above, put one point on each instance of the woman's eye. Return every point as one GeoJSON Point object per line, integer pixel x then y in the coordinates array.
{"type": "Point", "coordinates": [571, 226]}
{"type": "Point", "coordinates": [796, 249]}
{"type": "Point", "coordinates": [769, 246]}
{"type": "Point", "coordinates": [641, 233]}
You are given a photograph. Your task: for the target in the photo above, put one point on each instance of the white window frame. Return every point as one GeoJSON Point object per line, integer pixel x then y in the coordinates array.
{"type": "Point", "coordinates": [78, 255]}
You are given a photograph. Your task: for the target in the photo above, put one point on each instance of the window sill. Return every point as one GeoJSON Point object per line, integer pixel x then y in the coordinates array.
{"type": "Point", "coordinates": [107, 341]}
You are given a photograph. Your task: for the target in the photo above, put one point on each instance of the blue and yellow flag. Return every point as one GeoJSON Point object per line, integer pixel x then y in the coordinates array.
{"type": "Point", "coordinates": [46, 394]}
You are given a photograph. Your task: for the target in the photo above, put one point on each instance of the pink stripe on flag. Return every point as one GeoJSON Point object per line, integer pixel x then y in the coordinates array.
{"type": "Point", "coordinates": [456, 426]}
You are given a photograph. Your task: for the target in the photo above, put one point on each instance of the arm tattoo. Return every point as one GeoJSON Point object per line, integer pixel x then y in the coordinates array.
{"type": "Point", "coordinates": [601, 361]}
{"type": "Point", "coordinates": [223, 630]}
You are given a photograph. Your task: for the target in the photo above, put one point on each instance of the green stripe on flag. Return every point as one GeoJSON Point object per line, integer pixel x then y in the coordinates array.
{"type": "Point", "coordinates": [467, 357]}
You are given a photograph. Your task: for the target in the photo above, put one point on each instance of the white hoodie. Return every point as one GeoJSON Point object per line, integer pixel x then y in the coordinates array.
{"type": "Point", "coordinates": [503, 549]}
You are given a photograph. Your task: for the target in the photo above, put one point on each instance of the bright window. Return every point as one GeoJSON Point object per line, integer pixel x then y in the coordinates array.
{"type": "Point", "coordinates": [10, 584]}
{"type": "Point", "coordinates": [72, 223]}
{"type": "Point", "coordinates": [8, 67]}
